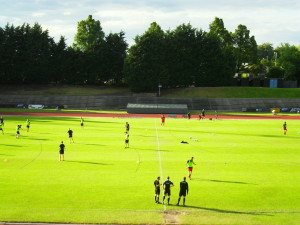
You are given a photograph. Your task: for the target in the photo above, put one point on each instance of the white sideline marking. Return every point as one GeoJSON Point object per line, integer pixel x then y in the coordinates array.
{"type": "Point", "coordinates": [159, 157]}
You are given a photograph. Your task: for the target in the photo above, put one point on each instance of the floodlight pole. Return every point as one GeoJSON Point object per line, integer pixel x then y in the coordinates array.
{"type": "Point", "coordinates": [159, 86]}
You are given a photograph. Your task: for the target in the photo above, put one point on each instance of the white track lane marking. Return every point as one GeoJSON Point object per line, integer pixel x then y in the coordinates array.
{"type": "Point", "coordinates": [159, 157]}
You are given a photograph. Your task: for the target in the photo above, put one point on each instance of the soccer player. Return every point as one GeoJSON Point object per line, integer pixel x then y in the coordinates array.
{"type": "Point", "coordinates": [284, 128]}
{"type": "Point", "coordinates": [200, 116]}
{"type": "Point", "coordinates": [189, 115]}
{"type": "Point", "coordinates": [127, 126]}
{"type": "Point", "coordinates": [184, 190]}
{"type": "Point", "coordinates": [27, 125]}
{"type": "Point", "coordinates": [126, 140]}
{"type": "Point", "coordinates": [1, 128]}
{"type": "Point", "coordinates": [203, 114]}
{"type": "Point", "coordinates": [217, 116]}
{"type": "Point", "coordinates": [163, 118]}
{"type": "Point", "coordinates": [2, 120]}
{"type": "Point", "coordinates": [61, 151]}
{"type": "Point", "coordinates": [81, 122]}
{"type": "Point", "coordinates": [70, 132]}
{"type": "Point", "coordinates": [18, 131]}
{"type": "Point", "coordinates": [167, 187]}
{"type": "Point", "coordinates": [190, 163]}
{"type": "Point", "coordinates": [157, 190]}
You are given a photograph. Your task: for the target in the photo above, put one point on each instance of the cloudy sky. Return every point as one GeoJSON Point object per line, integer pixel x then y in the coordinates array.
{"type": "Point", "coordinates": [273, 21]}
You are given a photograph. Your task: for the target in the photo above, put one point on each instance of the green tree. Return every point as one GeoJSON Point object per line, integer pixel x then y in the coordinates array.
{"type": "Point", "coordinates": [145, 63]}
{"type": "Point", "coordinates": [245, 48]}
{"type": "Point", "coordinates": [181, 56]}
{"type": "Point", "coordinates": [217, 28]}
{"type": "Point", "coordinates": [89, 35]}
{"type": "Point", "coordinates": [289, 60]}
{"type": "Point", "coordinates": [227, 58]}
{"type": "Point", "coordinates": [265, 51]}
{"type": "Point", "coordinates": [115, 52]}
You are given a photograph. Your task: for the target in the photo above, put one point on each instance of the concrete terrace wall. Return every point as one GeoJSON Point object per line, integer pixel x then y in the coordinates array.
{"type": "Point", "coordinates": [120, 102]}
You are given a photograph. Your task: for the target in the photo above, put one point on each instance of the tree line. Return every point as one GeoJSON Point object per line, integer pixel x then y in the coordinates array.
{"type": "Point", "coordinates": [181, 57]}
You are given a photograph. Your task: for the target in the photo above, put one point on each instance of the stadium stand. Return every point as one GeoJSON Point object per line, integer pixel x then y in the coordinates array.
{"type": "Point", "coordinates": [120, 102]}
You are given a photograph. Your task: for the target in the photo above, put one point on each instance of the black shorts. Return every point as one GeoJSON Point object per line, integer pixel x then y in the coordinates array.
{"type": "Point", "coordinates": [157, 191]}
{"type": "Point", "coordinates": [126, 141]}
{"type": "Point", "coordinates": [182, 193]}
{"type": "Point", "coordinates": [27, 126]}
{"type": "Point", "coordinates": [81, 124]}
{"type": "Point", "coordinates": [18, 132]}
{"type": "Point", "coordinates": [61, 152]}
{"type": "Point", "coordinates": [167, 192]}
{"type": "Point", "coordinates": [70, 136]}
{"type": "Point", "coordinates": [0, 128]}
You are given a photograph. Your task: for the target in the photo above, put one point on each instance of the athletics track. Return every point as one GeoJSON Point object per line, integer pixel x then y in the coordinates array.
{"type": "Point", "coordinates": [125, 115]}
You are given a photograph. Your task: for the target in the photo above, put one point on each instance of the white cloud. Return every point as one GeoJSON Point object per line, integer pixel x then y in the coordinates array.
{"type": "Point", "coordinates": [272, 21]}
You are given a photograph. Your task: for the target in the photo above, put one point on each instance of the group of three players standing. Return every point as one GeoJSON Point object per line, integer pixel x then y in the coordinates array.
{"type": "Point", "coordinates": [184, 187]}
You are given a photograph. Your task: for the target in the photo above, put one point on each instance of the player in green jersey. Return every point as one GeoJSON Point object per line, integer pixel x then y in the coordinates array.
{"type": "Point", "coordinates": [190, 163]}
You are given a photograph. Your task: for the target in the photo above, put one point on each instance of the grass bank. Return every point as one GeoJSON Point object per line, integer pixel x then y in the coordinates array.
{"type": "Point", "coordinates": [232, 92]}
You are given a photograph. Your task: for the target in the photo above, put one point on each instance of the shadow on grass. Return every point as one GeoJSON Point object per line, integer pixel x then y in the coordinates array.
{"type": "Point", "coordinates": [226, 181]}
{"type": "Point", "coordinates": [7, 155]}
{"type": "Point", "coordinates": [93, 163]}
{"type": "Point", "coordinates": [94, 144]}
{"type": "Point", "coordinates": [37, 139]}
{"type": "Point", "coordinates": [12, 145]}
{"type": "Point", "coordinates": [149, 149]}
{"type": "Point", "coordinates": [226, 211]}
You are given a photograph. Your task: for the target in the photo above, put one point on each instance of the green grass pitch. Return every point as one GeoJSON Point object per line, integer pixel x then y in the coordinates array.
{"type": "Point", "coordinates": [247, 171]}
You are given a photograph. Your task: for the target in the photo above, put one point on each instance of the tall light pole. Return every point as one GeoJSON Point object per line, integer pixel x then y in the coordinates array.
{"type": "Point", "coordinates": [159, 87]}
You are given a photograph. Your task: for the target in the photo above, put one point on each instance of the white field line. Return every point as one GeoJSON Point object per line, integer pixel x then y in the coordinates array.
{"type": "Point", "coordinates": [159, 156]}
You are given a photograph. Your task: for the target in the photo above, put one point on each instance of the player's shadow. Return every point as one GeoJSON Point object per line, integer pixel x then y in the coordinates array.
{"type": "Point", "coordinates": [227, 211]}
{"type": "Point", "coordinates": [151, 149]}
{"type": "Point", "coordinates": [12, 145]}
{"type": "Point", "coordinates": [93, 163]}
{"type": "Point", "coordinates": [7, 155]}
{"type": "Point", "coordinates": [224, 181]}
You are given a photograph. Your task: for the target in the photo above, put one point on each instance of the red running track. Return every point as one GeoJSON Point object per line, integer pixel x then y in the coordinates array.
{"type": "Point", "coordinates": [125, 115]}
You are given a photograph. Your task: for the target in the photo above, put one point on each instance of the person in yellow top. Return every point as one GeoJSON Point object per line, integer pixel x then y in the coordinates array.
{"type": "Point", "coordinates": [189, 164]}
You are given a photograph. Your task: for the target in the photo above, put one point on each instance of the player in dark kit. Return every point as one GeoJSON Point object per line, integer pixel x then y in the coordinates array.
{"type": "Point", "coordinates": [189, 115]}
{"type": "Point", "coordinates": [167, 187]}
{"type": "Point", "coordinates": [126, 140]}
{"type": "Point", "coordinates": [70, 132]}
{"type": "Point", "coordinates": [284, 128]}
{"type": "Point", "coordinates": [157, 190]}
{"type": "Point", "coordinates": [61, 151]}
{"type": "Point", "coordinates": [1, 128]}
{"type": "Point", "coordinates": [203, 114]}
{"type": "Point", "coordinates": [81, 122]}
{"type": "Point", "coordinates": [184, 190]}
{"type": "Point", "coordinates": [127, 127]}
{"type": "Point", "coordinates": [2, 120]}
{"type": "Point", "coordinates": [27, 125]}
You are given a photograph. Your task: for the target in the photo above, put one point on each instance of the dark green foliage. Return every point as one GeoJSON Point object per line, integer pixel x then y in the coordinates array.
{"type": "Point", "coordinates": [179, 58]}
{"type": "Point", "coordinates": [275, 72]}
{"type": "Point", "coordinates": [29, 56]}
